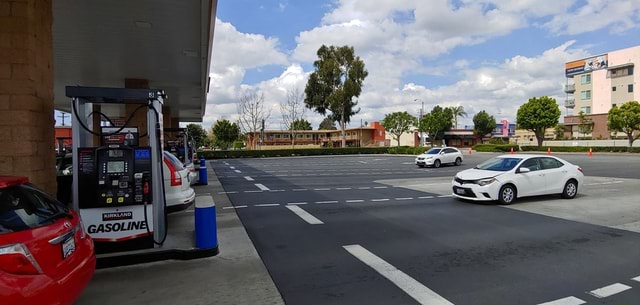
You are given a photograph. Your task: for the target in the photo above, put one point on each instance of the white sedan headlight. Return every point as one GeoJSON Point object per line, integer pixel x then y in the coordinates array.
{"type": "Point", "coordinates": [487, 181]}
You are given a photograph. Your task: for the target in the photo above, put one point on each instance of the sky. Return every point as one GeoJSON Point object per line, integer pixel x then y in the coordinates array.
{"type": "Point", "coordinates": [490, 55]}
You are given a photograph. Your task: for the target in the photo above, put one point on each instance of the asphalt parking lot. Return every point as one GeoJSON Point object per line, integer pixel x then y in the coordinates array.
{"type": "Point", "coordinates": [379, 230]}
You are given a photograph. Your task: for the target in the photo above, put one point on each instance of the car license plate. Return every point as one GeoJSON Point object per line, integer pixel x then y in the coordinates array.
{"type": "Point", "coordinates": [68, 247]}
{"type": "Point", "coordinates": [460, 191]}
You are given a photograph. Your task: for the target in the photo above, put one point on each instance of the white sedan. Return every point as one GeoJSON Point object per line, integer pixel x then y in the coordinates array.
{"type": "Point", "coordinates": [508, 177]}
{"type": "Point", "coordinates": [438, 156]}
{"type": "Point", "coordinates": [178, 192]}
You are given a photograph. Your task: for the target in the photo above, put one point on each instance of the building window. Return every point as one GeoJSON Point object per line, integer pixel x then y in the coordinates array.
{"type": "Point", "coordinates": [277, 136]}
{"type": "Point", "coordinates": [630, 88]}
{"type": "Point", "coordinates": [586, 109]}
{"type": "Point", "coordinates": [585, 95]}
{"type": "Point", "coordinates": [614, 105]}
{"type": "Point", "coordinates": [308, 136]}
{"type": "Point", "coordinates": [613, 88]}
{"type": "Point", "coordinates": [630, 70]}
{"type": "Point", "coordinates": [585, 79]}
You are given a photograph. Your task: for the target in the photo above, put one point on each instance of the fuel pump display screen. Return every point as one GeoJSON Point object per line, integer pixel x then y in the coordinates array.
{"type": "Point", "coordinates": [115, 153]}
{"type": "Point", "coordinates": [114, 167]}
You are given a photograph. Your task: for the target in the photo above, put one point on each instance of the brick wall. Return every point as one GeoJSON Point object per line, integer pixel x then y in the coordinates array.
{"type": "Point", "coordinates": [26, 91]}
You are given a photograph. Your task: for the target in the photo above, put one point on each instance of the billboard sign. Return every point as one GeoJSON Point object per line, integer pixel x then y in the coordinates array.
{"type": "Point", "coordinates": [586, 65]}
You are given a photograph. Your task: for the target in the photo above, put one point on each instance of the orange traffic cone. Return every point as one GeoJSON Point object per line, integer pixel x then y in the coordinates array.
{"type": "Point", "coordinates": [511, 151]}
{"type": "Point", "coordinates": [548, 150]}
{"type": "Point", "coordinates": [590, 152]}
{"type": "Point", "coordinates": [469, 150]}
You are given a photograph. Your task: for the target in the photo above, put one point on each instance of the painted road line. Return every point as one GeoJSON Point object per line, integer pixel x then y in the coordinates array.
{"type": "Point", "coordinates": [355, 200]}
{"type": "Point", "coordinates": [323, 189]}
{"type": "Point", "coordinates": [378, 200]}
{"type": "Point", "coordinates": [234, 192]}
{"type": "Point", "coordinates": [231, 167]}
{"type": "Point", "coordinates": [609, 290]}
{"type": "Point", "coordinates": [565, 301]}
{"type": "Point", "coordinates": [267, 205]}
{"type": "Point", "coordinates": [248, 178]}
{"type": "Point", "coordinates": [362, 162]}
{"type": "Point", "coordinates": [409, 285]}
{"type": "Point", "coordinates": [276, 191]}
{"type": "Point", "coordinates": [237, 171]}
{"type": "Point", "coordinates": [328, 201]}
{"type": "Point", "coordinates": [253, 191]}
{"type": "Point", "coordinates": [304, 215]}
{"type": "Point", "coordinates": [425, 197]}
{"type": "Point", "coordinates": [380, 187]}
{"type": "Point", "coordinates": [235, 207]}
{"type": "Point", "coordinates": [637, 279]}
{"type": "Point", "coordinates": [342, 188]}
{"type": "Point", "coordinates": [364, 188]}
{"type": "Point", "coordinates": [299, 190]}
{"type": "Point", "coordinates": [297, 203]}
{"type": "Point", "coordinates": [405, 198]}
{"type": "Point", "coordinates": [281, 175]}
{"type": "Point", "coordinates": [444, 196]}
{"type": "Point", "coordinates": [262, 187]}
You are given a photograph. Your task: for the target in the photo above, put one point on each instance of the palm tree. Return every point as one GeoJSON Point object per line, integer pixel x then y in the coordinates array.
{"type": "Point", "coordinates": [457, 111]}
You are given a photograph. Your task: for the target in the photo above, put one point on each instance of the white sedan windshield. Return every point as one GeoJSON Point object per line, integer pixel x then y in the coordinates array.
{"type": "Point", "coordinates": [499, 164]}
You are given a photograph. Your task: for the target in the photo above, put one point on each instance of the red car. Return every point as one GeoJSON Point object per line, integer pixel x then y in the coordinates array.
{"type": "Point", "coordinates": [46, 257]}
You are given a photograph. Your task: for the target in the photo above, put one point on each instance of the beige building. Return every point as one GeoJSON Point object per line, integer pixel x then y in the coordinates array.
{"type": "Point", "coordinates": [597, 83]}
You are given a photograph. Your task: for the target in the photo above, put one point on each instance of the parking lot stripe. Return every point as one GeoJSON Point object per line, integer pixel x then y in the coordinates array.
{"type": "Point", "coordinates": [343, 188]}
{"type": "Point", "coordinates": [409, 285]}
{"type": "Point", "coordinates": [328, 201]}
{"type": "Point", "coordinates": [637, 279]}
{"type": "Point", "coordinates": [378, 200]}
{"type": "Point", "coordinates": [248, 178]}
{"type": "Point", "coordinates": [364, 188]}
{"type": "Point", "coordinates": [565, 301]}
{"type": "Point", "coordinates": [253, 191]}
{"type": "Point", "coordinates": [231, 167]}
{"type": "Point", "coordinates": [443, 196]}
{"type": "Point", "coordinates": [355, 200]}
{"type": "Point", "coordinates": [233, 192]}
{"type": "Point", "coordinates": [262, 187]}
{"type": "Point", "coordinates": [405, 198]}
{"type": "Point", "coordinates": [297, 203]}
{"type": "Point", "coordinates": [304, 215]}
{"type": "Point", "coordinates": [299, 190]}
{"type": "Point", "coordinates": [380, 187]}
{"type": "Point", "coordinates": [267, 205]}
{"type": "Point", "coordinates": [609, 290]}
{"type": "Point", "coordinates": [323, 189]}
{"type": "Point", "coordinates": [235, 207]}
{"type": "Point", "coordinates": [237, 171]}
{"type": "Point", "coordinates": [425, 197]}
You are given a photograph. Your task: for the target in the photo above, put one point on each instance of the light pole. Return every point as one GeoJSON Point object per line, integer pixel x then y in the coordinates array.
{"type": "Point", "coordinates": [420, 121]}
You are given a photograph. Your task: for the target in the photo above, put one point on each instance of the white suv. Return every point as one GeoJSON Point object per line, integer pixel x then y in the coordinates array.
{"type": "Point", "coordinates": [438, 156]}
{"type": "Point", "coordinates": [177, 187]}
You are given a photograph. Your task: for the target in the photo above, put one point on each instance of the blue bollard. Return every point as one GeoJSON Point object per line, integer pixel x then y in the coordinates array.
{"type": "Point", "coordinates": [204, 180]}
{"type": "Point", "coordinates": [206, 227]}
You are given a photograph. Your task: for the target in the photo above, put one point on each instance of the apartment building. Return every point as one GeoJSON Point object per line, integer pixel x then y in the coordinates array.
{"type": "Point", "coordinates": [596, 84]}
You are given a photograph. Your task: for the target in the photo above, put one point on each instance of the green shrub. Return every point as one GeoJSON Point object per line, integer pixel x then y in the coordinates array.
{"type": "Point", "coordinates": [223, 154]}
{"type": "Point", "coordinates": [583, 148]}
{"type": "Point", "coordinates": [495, 147]}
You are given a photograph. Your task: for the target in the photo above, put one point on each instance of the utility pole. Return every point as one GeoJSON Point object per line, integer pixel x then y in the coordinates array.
{"type": "Point", "coordinates": [420, 121]}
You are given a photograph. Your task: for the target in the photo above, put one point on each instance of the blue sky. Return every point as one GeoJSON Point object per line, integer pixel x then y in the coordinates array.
{"type": "Point", "coordinates": [484, 55]}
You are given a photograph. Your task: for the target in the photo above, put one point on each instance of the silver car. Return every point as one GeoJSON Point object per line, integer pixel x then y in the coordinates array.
{"type": "Point", "coordinates": [438, 156]}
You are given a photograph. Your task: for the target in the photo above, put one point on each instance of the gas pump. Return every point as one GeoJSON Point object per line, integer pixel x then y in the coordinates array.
{"type": "Point", "coordinates": [117, 185]}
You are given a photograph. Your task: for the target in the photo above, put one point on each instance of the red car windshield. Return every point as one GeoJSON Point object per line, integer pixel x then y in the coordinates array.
{"type": "Point", "coordinates": [23, 207]}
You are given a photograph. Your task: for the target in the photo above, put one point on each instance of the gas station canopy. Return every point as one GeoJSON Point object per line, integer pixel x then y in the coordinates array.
{"type": "Point", "coordinates": [100, 43]}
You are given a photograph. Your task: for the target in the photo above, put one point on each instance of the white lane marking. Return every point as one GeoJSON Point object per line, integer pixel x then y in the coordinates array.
{"type": "Point", "coordinates": [378, 200]}
{"type": "Point", "coordinates": [304, 215]}
{"type": "Point", "coordinates": [281, 175]}
{"type": "Point", "coordinates": [253, 191]}
{"type": "Point", "coordinates": [323, 189]}
{"type": "Point", "coordinates": [443, 196]}
{"type": "Point", "coordinates": [380, 187]}
{"type": "Point", "coordinates": [231, 167]}
{"type": "Point", "coordinates": [405, 198]}
{"type": "Point", "coordinates": [237, 171]}
{"type": "Point", "coordinates": [364, 188]}
{"type": "Point", "coordinates": [262, 187]}
{"type": "Point", "coordinates": [604, 183]}
{"type": "Point", "coordinates": [248, 178]}
{"type": "Point", "coordinates": [565, 301]}
{"type": "Point", "coordinates": [328, 201]}
{"type": "Point", "coordinates": [356, 200]}
{"type": "Point", "coordinates": [234, 192]}
{"type": "Point", "coordinates": [267, 205]}
{"type": "Point", "coordinates": [362, 162]}
{"type": "Point", "coordinates": [276, 190]}
{"type": "Point", "coordinates": [425, 197]}
{"type": "Point", "coordinates": [343, 188]}
{"type": "Point", "coordinates": [297, 203]}
{"type": "Point", "coordinates": [299, 190]}
{"type": "Point", "coordinates": [235, 207]}
{"type": "Point", "coordinates": [637, 279]}
{"type": "Point", "coordinates": [609, 290]}
{"type": "Point", "coordinates": [409, 285]}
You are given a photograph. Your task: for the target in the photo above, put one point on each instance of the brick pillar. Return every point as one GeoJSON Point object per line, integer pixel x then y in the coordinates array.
{"type": "Point", "coordinates": [26, 92]}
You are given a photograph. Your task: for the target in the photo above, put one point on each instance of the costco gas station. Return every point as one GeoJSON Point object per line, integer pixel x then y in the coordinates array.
{"type": "Point", "coordinates": [126, 71]}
